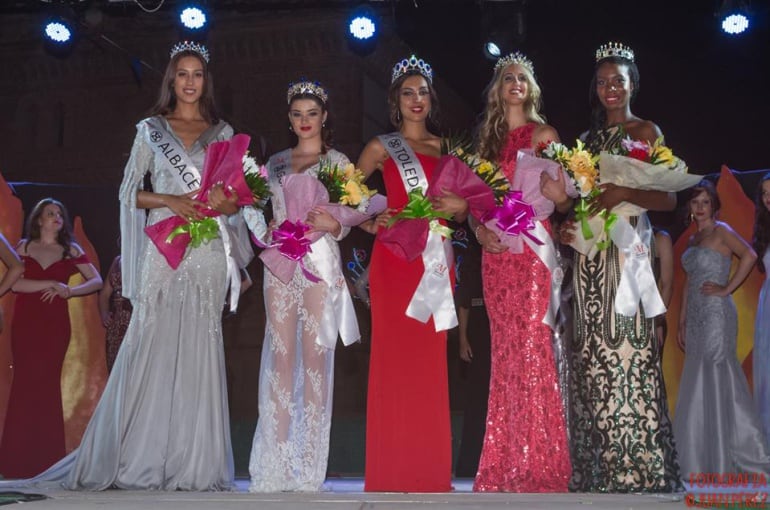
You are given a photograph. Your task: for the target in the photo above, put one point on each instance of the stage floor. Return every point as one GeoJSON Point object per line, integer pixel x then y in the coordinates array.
{"type": "Point", "coordinates": [343, 494]}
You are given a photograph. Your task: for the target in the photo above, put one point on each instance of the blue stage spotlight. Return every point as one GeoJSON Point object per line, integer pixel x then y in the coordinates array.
{"type": "Point", "coordinates": [734, 17]}
{"type": "Point", "coordinates": [735, 24]}
{"type": "Point", "coordinates": [58, 31]}
{"type": "Point", "coordinates": [362, 29]}
{"type": "Point", "coordinates": [492, 50]}
{"type": "Point", "coordinates": [193, 17]}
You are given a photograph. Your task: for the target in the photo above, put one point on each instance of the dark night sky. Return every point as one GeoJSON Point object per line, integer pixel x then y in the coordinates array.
{"type": "Point", "coordinates": [707, 91]}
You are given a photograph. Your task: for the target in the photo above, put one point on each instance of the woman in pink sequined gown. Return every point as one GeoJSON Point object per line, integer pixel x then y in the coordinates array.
{"type": "Point", "coordinates": [525, 444]}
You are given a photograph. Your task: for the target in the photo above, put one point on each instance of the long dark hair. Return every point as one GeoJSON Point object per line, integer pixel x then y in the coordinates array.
{"type": "Point", "coordinates": [394, 93]}
{"type": "Point", "coordinates": [64, 238]}
{"type": "Point", "coordinates": [166, 102]}
{"type": "Point", "coordinates": [761, 225]}
{"type": "Point", "coordinates": [327, 133]}
{"type": "Point", "coordinates": [598, 113]}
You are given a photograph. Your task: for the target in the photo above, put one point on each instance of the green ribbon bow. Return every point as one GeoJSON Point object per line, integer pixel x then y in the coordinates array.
{"type": "Point", "coordinates": [419, 206]}
{"type": "Point", "coordinates": [201, 231]}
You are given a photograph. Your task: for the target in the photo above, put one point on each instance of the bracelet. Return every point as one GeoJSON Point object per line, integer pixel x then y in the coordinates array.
{"type": "Point", "coordinates": [476, 231]}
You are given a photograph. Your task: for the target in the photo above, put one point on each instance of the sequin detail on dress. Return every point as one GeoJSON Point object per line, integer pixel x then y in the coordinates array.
{"type": "Point", "coordinates": [525, 445]}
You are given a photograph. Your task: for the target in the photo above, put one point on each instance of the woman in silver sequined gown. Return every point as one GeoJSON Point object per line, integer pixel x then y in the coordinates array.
{"type": "Point", "coordinates": [761, 352]}
{"type": "Point", "coordinates": [716, 425]}
{"type": "Point", "coordinates": [162, 422]}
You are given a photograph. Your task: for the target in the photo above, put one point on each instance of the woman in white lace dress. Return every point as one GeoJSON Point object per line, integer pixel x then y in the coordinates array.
{"type": "Point", "coordinates": [291, 443]}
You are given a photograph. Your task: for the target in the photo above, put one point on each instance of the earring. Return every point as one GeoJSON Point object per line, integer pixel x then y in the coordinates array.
{"type": "Point", "coordinates": [290, 129]}
{"type": "Point", "coordinates": [398, 115]}
{"type": "Point", "coordinates": [690, 218]}
{"type": "Point", "coordinates": [323, 125]}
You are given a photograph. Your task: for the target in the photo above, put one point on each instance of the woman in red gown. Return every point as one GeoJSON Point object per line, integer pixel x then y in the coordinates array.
{"type": "Point", "coordinates": [525, 445]}
{"type": "Point", "coordinates": [408, 436]}
{"type": "Point", "coordinates": [33, 437]}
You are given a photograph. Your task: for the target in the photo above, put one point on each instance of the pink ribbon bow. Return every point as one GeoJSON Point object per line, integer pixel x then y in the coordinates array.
{"type": "Point", "coordinates": [514, 216]}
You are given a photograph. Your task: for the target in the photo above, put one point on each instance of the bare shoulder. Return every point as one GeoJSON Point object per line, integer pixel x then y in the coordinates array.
{"type": "Point", "coordinates": [372, 157]}
{"type": "Point", "coordinates": [662, 237]}
{"type": "Point", "coordinates": [544, 133]}
{"type": "Point", "coordinates": [21, 246]}
{"type": "Point", "coordinates": [76, 250]}
{"type": "Point", "coordinates": [641, 129]}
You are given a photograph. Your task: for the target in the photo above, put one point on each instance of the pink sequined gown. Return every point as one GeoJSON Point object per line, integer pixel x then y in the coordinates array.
{"type": "Point", "coordinates": [525, 444]}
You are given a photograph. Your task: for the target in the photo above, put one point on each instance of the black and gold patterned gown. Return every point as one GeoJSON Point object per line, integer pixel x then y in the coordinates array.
{"type": "Point", "coordinates": [622, 438]}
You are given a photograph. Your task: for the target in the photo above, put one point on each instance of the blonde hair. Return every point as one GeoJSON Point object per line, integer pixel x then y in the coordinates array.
{"type": "Point", "coordinates": [494, 128]}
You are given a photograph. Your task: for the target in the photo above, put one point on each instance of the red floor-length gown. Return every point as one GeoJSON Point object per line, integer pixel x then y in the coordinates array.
{"type": "Point", "coordinates": [408, 437]}
{"type": "Point", "coordinates": [33, 437]}
{"type": "Point", "coordinates": [525, 444]}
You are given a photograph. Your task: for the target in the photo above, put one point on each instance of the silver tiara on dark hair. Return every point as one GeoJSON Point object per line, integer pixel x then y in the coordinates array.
{"type": "Point", "coordinates": [306, 87]}
{"type": "Point", "coordinates": [515, 58]}
{"type": "Point", "coordinates": [614, 49]}
{"type": "Point", "coordinates": [412, 64]}
{"type": "Point", "coordinates": [190, 46]}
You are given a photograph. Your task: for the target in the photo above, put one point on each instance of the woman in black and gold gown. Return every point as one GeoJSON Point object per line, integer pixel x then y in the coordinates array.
{"type": "Point", "coordinates": [621, 439]}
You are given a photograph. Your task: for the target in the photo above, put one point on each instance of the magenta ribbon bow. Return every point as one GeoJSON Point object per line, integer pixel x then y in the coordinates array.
{"type": "Point", "coordinates": [289, 238]}
{"type": "Point", "coordinates": [514, 217]}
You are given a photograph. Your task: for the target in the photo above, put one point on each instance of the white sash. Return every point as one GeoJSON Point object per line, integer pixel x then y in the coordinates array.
{"type": "Point", "coordinates": [188, 178]}
{"type": "Point", "coordinates": [164, 144]}
{"type": "Point", "coordinates": [546, 252]}
{"type": "Point", "coordinates": [433, 296]}
{"type": "Point", "coordinates": [637, 281]}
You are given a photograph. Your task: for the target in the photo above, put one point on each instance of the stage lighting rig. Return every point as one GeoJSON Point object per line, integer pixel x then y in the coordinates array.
{"type": "Point", "coordinates": [734, 17]}
{"type": "Point", "coordinates": [59, 28]}
{"type": "Point", "coordinates": [193, 18]}
{"type": "Point", "coordinates": [503, 26]}
{"type": "Point", "coordinates": [362, 29]}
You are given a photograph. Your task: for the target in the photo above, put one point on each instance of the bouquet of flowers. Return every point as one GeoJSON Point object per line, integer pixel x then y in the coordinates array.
{"type": "Point", "coordinates": [639, 165]}
{"type": "Point", "coordinates": [225, 165]}
{"type": "Point", "coordinates": [256, 179]}
{"type": "Point", "coordinates": [339, 191]}
{"type": "Point", "coordinates": [583, 171]}
{"type": "Point", "coordinates": [345, 185]}
{"type": "Point", "coordinates": [487, 171]}
{"type": "Point", "coordinates": [407, 239]}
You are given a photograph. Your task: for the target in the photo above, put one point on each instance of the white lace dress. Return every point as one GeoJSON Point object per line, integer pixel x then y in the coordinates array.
{"type": "Point", "coordinates": [291, 442]}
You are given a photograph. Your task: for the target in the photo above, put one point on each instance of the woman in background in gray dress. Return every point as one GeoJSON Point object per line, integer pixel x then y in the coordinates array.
{"type": "Point", "coordinates": [716, 425]}
{"type": "Point", "coordinates": [761, 352]}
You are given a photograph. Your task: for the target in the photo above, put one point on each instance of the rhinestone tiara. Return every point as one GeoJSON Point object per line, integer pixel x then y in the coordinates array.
{"type": "Point", "coordinates": [515, 58]}
{"type": "Point", "coordinates": [306, 87]}
{"type": "Point", "coordinates": [412, 64]}
{"type": "Point", "coordinates": [614, 49]}
{"type": "Point", "coordinates": [190, 46]}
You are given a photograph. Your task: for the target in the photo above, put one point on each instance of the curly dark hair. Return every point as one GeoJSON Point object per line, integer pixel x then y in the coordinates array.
{"type": "Point", "coordinates": [761, 239]}
{"type": "Point", "coordinates": [64, 238]}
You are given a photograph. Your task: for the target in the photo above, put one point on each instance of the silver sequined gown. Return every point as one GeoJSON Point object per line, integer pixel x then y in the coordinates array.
{"type": "Point", "coordinates": [716, 425]}
{"type": "Point", "coordinates": [162, 422]}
